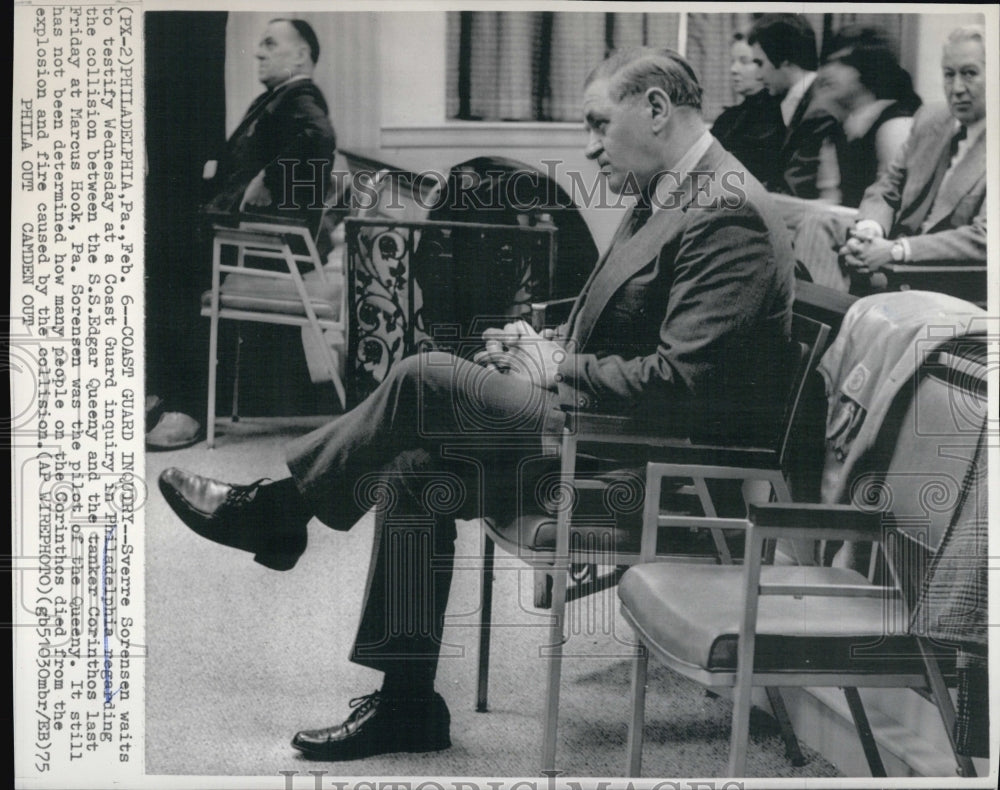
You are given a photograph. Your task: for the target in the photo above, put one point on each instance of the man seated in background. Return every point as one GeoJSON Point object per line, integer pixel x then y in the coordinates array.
{"type": "Point", "coordinates": [784, 49]}
{"type": "Point", "coordinates": [685, 321]}
{"type": "Point", "coordinates": [930, 205]}
{"type": "Point", "coordinates": [285, 135]}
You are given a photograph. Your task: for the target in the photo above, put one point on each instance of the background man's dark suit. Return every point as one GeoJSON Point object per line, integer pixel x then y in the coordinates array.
{"type": "Point", "coordinates": [944, 222]}
{"type": "Point", "coordinates": [289, 124]}
{"type": "Point", "coordinates": [686, 319]}
{"type": "Point", "coordinates": [799, 156]}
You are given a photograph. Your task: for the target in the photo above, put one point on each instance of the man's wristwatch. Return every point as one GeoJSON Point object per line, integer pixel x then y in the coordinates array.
{"type": "Point", "coordinates": [898, 252]}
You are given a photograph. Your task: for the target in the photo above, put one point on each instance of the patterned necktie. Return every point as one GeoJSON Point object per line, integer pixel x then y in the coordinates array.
{"type": "Point", "coordinates": [640, 215]}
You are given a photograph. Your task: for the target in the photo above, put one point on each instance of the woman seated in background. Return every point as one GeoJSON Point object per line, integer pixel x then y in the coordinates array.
{"type": "Point", "coordinates": [753, 130]}
{"type": "Point", "coordinates": [862, 82]}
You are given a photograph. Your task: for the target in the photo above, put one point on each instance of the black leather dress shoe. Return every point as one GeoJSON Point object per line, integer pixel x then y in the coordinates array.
{"type": "Point", "coordinates": [233, 516]}
{"type": "Point", "coordinates": [379, 725]}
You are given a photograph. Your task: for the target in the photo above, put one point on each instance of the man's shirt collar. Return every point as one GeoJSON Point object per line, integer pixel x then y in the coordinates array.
{"type": "Point", "coordinates": [293, 78]}
{"type": "Point", "coordinates": [669, 183]}
{"type": "Point", "coordinates": [795, 93]}
{"type": "Point", "coordinates": [973, 130]}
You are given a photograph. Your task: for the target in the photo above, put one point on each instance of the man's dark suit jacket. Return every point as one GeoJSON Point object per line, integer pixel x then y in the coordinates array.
{"type": "Point", "coordinates": [292, 124]}
{"type": "Point", "coordinates": [688, 320]}
{"type": "Point", "coordinates": [947, 225]}
{"type": "Point", "coordinates": [798, 159]}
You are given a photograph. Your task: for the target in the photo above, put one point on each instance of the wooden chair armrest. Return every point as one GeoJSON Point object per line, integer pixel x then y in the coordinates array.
{"type": "Point", "coordinates": [257, 235]}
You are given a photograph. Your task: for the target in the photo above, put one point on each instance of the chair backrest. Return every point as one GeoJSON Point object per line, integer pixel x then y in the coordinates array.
{"type": "Point", "coordinates": [403, 278]}
{"type": "Point", "coordinates": [809, 335]}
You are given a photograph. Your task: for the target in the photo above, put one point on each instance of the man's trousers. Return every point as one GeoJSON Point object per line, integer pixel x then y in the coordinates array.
{"type": "Point", "coordinates": [440, 439]}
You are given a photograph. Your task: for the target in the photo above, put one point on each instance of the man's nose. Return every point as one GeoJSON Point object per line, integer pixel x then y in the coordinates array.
{"type": "Point", "coordinates": [958, 85]}
{"type": "Point", "coordinates": [594, 147]}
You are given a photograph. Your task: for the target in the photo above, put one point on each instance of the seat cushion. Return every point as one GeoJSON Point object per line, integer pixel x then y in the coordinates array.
{"type": "Point", "coordinates": [692, 612]}
{"type": "Point", "coordinates": [608, 520]}
{"type": "Point", "coordinates": [260, 294]}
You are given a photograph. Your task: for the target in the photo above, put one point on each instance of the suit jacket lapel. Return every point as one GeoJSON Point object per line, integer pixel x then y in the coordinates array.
{"type": "Point", "coordinates": [967, 173]}
{"type": "Point", "coordinates": [259, 106]}
{"type": "Point", "coordinates": [798, 115]}
{"type": "Point", "coordinates": [581, 297]}
{"type": "Point", "coordinates": [626, 258]}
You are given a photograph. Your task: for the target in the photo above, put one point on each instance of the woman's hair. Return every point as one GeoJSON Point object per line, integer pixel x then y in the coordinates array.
{"type": "Point", "coordinates": [872, 53]}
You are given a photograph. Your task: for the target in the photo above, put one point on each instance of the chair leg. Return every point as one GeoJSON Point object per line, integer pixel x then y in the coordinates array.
{"type": "Point", "coordinates": [637, 723]}
{"type": "Point", "coordinates": [740, 737]}
{"type": "Point", "coordinates": [542, 589]}
{"type": "Point", "coordinates": [555, 655]}
{"type": "Point", "coordinates": [213, 349]}
{"type": "Point", "coordinates": [864, 731]}
{"type": "Point", "coordinates": [236, 375]}
{"type": "Point", "coordinates": [945, 708]}
{"type": "Point", "coordinates": [485, 623]}
{"type": "Point", "coordinates": [792, 750]}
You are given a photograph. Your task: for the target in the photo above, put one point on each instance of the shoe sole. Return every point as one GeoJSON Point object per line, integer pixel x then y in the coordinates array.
{"type": "Point", "coordinates": [320, 754]}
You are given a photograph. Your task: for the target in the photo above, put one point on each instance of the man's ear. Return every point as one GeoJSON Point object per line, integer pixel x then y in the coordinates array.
{"type": "Point", "coordinates": [660, 107]}
{"type": "Point", "coordinates": [304, 57]}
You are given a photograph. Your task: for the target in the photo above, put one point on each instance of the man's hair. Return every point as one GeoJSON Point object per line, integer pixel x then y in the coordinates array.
{"type": "Point", "coordinates": [633, 71]}
{"type": "Point", "coordinates": [306, 33]}
{"type": "Point", "coordinates": [786, 37]}
{"type": "Point", "coordinates": [967, 33]}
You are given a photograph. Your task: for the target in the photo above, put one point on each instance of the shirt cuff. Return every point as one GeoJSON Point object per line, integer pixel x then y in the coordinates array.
{"type": "Point", "coordinates": [905, 244]}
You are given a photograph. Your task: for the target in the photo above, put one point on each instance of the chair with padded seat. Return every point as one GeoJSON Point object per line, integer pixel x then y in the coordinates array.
{"type": "Point", "coordinates": [277, 278]}
{"type": "Point", "coordinates": [753, 625]}
{"type": "Point", "coordinates": [555, 539]}
{"type": "Point", "coordinates": [276, 270]}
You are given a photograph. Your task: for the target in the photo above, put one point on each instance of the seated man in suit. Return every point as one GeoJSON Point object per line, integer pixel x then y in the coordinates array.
{"type": "Point", "coordinates": [930, 205]}
{"type": "Point", "coordinates": [278, 159]}
{"type": "Point", "coordinates": [276, 163]}
{"type": "Point", "coordinates": [784, 49]}
{"type": "Point", "coordinates": [685, 320]}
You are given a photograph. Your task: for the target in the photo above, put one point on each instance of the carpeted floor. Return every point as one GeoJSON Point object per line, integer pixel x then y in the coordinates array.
{"type": "Point", "coordinates": [241, 657]}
